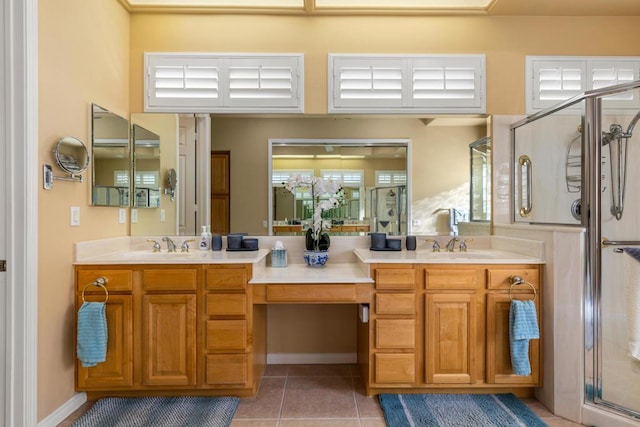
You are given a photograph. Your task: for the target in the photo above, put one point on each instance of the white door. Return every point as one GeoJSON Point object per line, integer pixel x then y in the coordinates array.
{"type": "Point", "coordinates": [187, 200]}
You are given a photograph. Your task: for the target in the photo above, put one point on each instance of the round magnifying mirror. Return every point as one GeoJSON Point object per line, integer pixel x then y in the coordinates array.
{"type": "Point", "coordinates": [172, 178]}
{"type": "Point", "coordinates": [71, 155]}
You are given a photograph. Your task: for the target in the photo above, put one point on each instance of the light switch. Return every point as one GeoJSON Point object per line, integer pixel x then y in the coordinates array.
{"type": "Point", "coordinates": [122, 216]}
{"type": "Point", "coordinates": [75, 216]}
{"type": "Point", "coordinates": [162, 215]}
{"type": "Point", "coordinates": [134, 216]}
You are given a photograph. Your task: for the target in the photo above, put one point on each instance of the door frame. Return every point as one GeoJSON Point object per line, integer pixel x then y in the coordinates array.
{"type": "Point", "coordinates": [20, 113]}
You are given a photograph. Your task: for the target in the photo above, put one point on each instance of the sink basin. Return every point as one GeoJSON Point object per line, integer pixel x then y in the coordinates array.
{"type": "Point", "coordinates": [477, 255]}
{"type": "Point", "coordinates": [163, 256]}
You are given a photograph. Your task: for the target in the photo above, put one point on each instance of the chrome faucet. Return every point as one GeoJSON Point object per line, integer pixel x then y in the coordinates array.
{"type": "Point", "coordinates": [436, 245]}
{"type": "Point", "coordinates": [156, 245]}
{"type": "Point", "coordinates": [452, 243]}
{"type": "Point", "coordinates": [185, 245]}
{"type": "Point", "coordinates": [171, 247]}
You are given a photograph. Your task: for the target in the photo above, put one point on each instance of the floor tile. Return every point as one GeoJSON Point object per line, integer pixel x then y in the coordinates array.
{"type": "Point", "coordinates": [559, 422]}
{"type": "Point", "coordinates": [319, 397]}
{"type": "Point", "coordinates": [538, 408]}
{"type": "Point", "coordinates": [320, 423]}
{"type": "Point", "coordinates": [368, 407]}
{"type": "Point", "coordinates": [266, 404]}
{"type": "Point", "coordinates": [254, 423]}
{"type": "Point", "coordinates": [276, 371]}
{"type": "Point", "coordinates": [320, 371]}
{"type": "Point", "coordinates": [369, 422]}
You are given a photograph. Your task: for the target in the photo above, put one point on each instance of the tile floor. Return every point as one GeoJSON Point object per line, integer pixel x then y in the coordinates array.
{"type": "Point", "coordinates": [318, 396]}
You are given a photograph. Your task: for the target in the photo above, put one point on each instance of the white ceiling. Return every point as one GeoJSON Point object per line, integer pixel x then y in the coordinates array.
{"type": "Point", "coordinates": [393, 7]}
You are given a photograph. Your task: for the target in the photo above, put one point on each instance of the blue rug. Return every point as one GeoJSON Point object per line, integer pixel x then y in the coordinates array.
{"type": "Point", "coordinates": [459, 410]}
{"type": "Point", "coordinates": [160, 412]}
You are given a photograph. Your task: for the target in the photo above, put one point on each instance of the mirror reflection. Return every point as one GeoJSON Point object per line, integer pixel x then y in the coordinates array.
{"type": "Point", "coordinates": [111, 158]}
{"type": "Point", "coordinates": [373, 175]}
{"type": "Point", "coordinates": [146, 155]}
{"type": "Point", "coordinates": [480, 190]}
{"type": "Point", "coordinates": [438, 172]}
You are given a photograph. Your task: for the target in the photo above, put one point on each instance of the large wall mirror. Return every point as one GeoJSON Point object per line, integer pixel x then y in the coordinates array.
{"type": "Point", "coordinates": [373, 174]}
{"type": "Point", "coordinates": [111, 158]}
{"type": "Point", "coordinates": [146, 161]}
{"type": "Point", "coordinates": [438, 168]}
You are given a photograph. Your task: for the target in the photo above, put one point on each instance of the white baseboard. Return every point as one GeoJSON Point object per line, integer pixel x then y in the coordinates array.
{"type": "Point", "coordinates": [68, 408]}
{"type": "Point", "coordinates": [311, 358]}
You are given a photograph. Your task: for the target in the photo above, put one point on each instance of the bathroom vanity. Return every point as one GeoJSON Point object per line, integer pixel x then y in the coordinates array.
{"type": "Point", "coordinates": [196, 323]}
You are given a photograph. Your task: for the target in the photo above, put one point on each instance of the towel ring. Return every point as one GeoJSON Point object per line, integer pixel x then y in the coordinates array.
{"type": "Point", "coordinates": [100, 281]}
{"type": "Point", "coordinates": [517, 280]}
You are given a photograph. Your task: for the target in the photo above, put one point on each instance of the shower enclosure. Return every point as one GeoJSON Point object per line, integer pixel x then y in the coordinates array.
{"type": "Point", "coordinates": [570, 168]}
{"type": "Point", "coordinates": [387, 209]}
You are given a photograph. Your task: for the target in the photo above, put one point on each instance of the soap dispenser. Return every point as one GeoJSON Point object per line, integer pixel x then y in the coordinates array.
{"type": "Point", "coordinates": [204, 239]}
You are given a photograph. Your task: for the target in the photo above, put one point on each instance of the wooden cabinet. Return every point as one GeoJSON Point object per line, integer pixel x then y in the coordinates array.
{"type": "Point", "coordinates": [446, 327]}
{"type": "Point", "coordinates": [188, 329]}
{"type": "Point", "coordinates": [499, 297]}
{"type": "Point", "coordinates": [393, 331]}
{"type": "Point", "coordinates": [232, 329]}
{"type": "Point", "coordinates": [117, 370]}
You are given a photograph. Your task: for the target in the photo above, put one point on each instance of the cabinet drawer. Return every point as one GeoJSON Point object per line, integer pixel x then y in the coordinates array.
{"type": "Point", "coordinates": [395, 333]}
{"type": "Point", "coordinates": [226, 335]}
{"type": "Point", "coordinates": [226, 278]}
{"type": "Point", "coordinates": [436, 278]}
{"type": "Point", "coordinates": [395, 304]}
{"type": "Point", "coordinates": [178, 279]}
{"type": "Point", "coordinates": [117, 280]}
{"type": "Point", "coordinates": [226, 305]}
{"type": "Point", "coordinates": [498, 278]}
{"type": "Point", "coordinates": [395, 368]}
{"type": "Point", "coordinates": [395, 278]}
{"type": "Point", "coordinates": [311, 293]}
{"type": "Point", "coordinates": [227, 369]}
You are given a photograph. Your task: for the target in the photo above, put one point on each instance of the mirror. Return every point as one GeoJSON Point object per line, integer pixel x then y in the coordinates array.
{"type": "Point", "coordinates": [373, 174]}
{"type": "Point", "coordinates": [438, 165]}
{"type": "Point", "coordinates": [71, 156]}
{"type": "Point", "coordinates": [111, 158]}
{"type": "Point", "coordinates": [146, 168]}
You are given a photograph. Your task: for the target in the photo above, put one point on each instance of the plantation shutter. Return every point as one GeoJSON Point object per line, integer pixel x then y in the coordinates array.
{"type": "Point", "coordinates": [605, 73]}
{"type": "Point", "coordinates": [447, 82]}
{"type": "Point", "coordinates": [182, 81]}
{"type": "Point", "coordinates": [556, 81]}
{"type": "Point", "coordinates": [372, 82]}
{"type": "Point", "coordinates": [262, 82]}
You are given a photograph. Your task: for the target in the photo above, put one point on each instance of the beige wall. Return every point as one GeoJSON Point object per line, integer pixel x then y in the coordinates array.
{"type": "Point", "coordinates": [83, 58]}
{"type": "Point", "coordinates": [504, 40]}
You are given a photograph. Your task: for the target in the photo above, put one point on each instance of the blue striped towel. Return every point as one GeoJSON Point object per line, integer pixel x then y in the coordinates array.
{"type": "Point", "coordinates": [92, 334]}
{"type": "Point", "coordinates": [523, 326]}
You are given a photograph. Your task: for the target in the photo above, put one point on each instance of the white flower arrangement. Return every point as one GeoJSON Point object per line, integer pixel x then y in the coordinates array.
{"type": "Point", "coordinates": [316, 238]}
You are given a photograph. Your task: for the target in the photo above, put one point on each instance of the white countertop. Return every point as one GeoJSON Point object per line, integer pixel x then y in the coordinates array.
{"type": "Point", "coordinates": [299, 273]}
{"type": "Point", "coordinates": [191, 257]}
{"type": "Point", "coordinates": [479, 256]}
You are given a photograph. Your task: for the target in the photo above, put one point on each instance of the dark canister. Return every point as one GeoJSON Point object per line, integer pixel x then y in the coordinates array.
{"type": "Point", "coordinates": [216, 242]}
{"type": "Point", "coordinates": [378, 240]}
{"type": "Point", "coordinates": [410, 243]}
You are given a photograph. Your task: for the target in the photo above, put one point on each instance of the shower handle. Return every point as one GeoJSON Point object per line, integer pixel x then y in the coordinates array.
{"type": "Point", "coordinates": [525, 208]}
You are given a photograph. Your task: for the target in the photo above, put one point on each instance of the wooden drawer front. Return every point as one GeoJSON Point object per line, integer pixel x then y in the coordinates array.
{"type": "Point", "coordinates": [227, 369]}
{"type": "Point", "coordinates": [226, 334]}
{"type": "Point", "coordinates": [396, 304]}
{"type": "Point", "coordinates": [395, 368]}
{"type": "Point", "coordinates": [226, 305]}
{"type": "Point", "coordinates": [311, 293]}
{"type": "Point", "coordinates": [498, 278]}
{"type": "Point", "coordinates": [179, 279]}
{"type": "Point", "coordinates": [395, 333]}
{"type": "Point", "coordinates": [117, 280]}
{"type": "Point", "coordinates": [451, 278]}
{"type": "Point", "coordinates": [395, 278]}
{"type": "Point", "coordinates": [226, 278]}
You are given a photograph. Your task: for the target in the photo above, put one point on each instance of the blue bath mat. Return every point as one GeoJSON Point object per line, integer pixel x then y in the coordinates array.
{"type": "Point", "coordinates": [459, 410]}
{"type": "Point", "coordinates": [160, 412]}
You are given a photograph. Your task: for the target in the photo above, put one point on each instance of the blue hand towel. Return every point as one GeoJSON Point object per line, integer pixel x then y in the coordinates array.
{"type": "Point", "coordinates": [523, 326]}
{"type": "Point", "coordinates": [92, 333]}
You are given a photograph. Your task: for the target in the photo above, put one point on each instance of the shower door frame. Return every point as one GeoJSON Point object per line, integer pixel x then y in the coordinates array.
{"type": "Point", "coordinates": [592, 218]}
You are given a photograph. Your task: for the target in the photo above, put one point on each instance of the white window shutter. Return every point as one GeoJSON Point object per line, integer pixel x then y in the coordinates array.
{"type": "Point", "coordinates": [556, 81]}
{"type": "Point", "coordinates": [367, 82]}
{"type": "Point", "coordinates": [264, 82]}
{"type": "Point", "coordinates": [603, 73]}
{"type": "Point", "coordinates": [181, 83]}
{"type": "Point", "coordinates": [448, 82]}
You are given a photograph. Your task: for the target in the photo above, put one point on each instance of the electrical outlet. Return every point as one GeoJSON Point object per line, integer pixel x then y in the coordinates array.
{"type": "Point", "coordinates": [264, 224]}
{"type": "Point", "coordinates": [415, 222]}
{"type": "Point", "coordinates": [122, 216]}
{"type": "Point", "coordinates": [75, 216]}
{"type": "Point", "coordinates": [162, 215]}
{"type": "Point", "coordinates": [134, 216]}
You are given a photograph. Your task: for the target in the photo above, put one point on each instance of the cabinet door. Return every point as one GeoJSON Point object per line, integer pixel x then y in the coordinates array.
{"type": "Point", "coordinates": [498, 353]}
{"type": "Point", "coordinates": [117, 370]}
{"type": "Point", "coordinates": [169, 339]}
{"type": "Point", "coordinates": [450, 328]}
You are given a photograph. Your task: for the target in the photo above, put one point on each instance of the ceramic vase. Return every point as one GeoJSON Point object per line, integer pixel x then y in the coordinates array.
{"type": "Point", "coordinates": [316, 258]}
